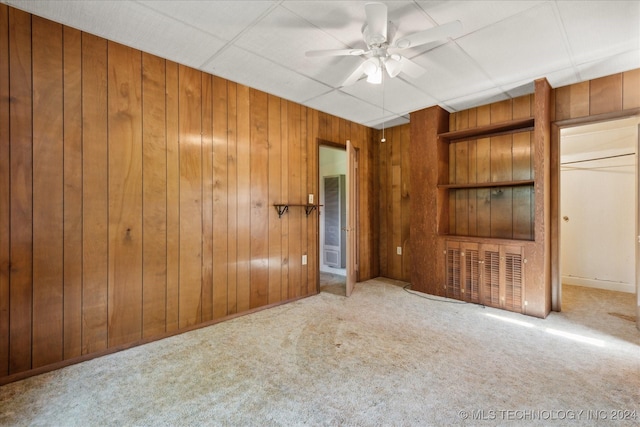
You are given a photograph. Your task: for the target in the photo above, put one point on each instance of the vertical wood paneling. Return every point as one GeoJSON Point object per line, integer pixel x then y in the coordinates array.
{"type": "Point", "coordinates": [275, 196]}
{"type": "Point", "coordinates": [207, 198]}
{"type": "Point", "coordinates": [284, 146]}
{"type": "Point", "coordinates": [5, 194]}
{"type": "Point", "coordinates": [173, 196]}
{"type": "Point", "coordinates": [154, 196]}
{"type": "Point", "coordinates": [295, 216]}
{"type": "Point", "coordinates": [94, 194]}
{"type": "Point", "coordinates": [220, 202]}
{"type": "Point", "coordinates": [605, 94]}
{"type": "Point", "coordinates": [232, 213]}
{"type": "Point", "coordinates": [47, 192]}
{"type": "Point", "coordinates": [137, 199]}
{"type": "Point", "coordinates": [243, 122]}
{"type": "Point", "coordinates": [72, 197]}
{"type": "Point", "coordinates": [259, 192]}
{"type": "Point", "coordinates": [631, 89]}
{"type": "Point", "coordinates": [21, 199]}
{"type": "Point", "coordinates": [190, 141]}
{"type": "Point", "coordinates": [125, 194]}
{"type": "Point", "coordinates": [304, 219]}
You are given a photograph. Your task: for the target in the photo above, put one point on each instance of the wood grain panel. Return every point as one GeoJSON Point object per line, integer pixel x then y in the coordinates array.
{"type": "Point", "coordinates": [405, 219]}
{"type": "Point", "coordinates": [48, 175]}
{"type": "Point", "coordinates": [259, 192]}
{"type": "Point", "coordinates": [5, 194]}
{"type": "Point", "coordinates": [275, 196]}
{"type": "Point", "coordinates": [605, 94]}
{"type": "Point", "coordinates": [572, 101]}
{"type": "Point", "coordinates": [284, 146]}
{"type": "Point", "coordinates": [631, 89]}
{"type": "Point", "coordinates": [243, 121]}
{"type": "Point", "coordinates": [295, 216]}
{"type": "Point", "coordinates": [173, 196]}
{"type": "Point", "coordinates": [232, 215]}
{"type": "Point", "coordinates": [189, 125]}
{"type": "Point", "coordinates": [21, 199]}
{"type": "Point", "coordinates": [304, 167]}
{"type": "Point", "coordinates": [501, 111]}
{"type": "Point", "coordinates": [72, 316]}
{"type": "Point", "coordinates": [220, 202]}
{"type": "Point", "coordinates": [125, 194]}
{"type": "Point", "coordinates": [207, 198]}
{"type": "Point", "coordinates": [522, 107]}
{"type": "Point", "coordinates": [154, 197]}
{"type": "Point", "coordinates": [94, 194]}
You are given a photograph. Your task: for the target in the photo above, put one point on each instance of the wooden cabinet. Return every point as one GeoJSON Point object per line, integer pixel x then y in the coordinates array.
{"type": "Point", "coordinates": [485, 273]}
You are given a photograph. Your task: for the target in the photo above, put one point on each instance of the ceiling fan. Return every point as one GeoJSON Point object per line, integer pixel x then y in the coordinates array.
{"type": "Point", "coordinates": [382, 51]}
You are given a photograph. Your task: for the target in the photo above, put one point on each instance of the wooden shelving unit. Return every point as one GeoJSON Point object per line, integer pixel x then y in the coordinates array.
{"type": "Point", "coordinates": [483, 229]}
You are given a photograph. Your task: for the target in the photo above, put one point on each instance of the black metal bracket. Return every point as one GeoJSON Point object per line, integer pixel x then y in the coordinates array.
{"type": "Point", "coordinates": [283, 208]}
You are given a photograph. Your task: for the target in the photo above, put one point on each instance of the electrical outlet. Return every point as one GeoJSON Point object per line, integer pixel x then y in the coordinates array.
{"type": "Point", "coordinates": [304, 260]}
{"type": "Point", "coordinates": [399, 250]}
{"type": "Point", "coordinates": [310, 199]}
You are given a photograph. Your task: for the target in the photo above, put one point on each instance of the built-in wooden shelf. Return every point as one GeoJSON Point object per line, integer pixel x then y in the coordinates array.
{"type": "Point", "coordinates": [520, 125]}
{"type": "Point", "coordinates": [488, 184]}
{"type": "Point", "coordinates": [283, 208]}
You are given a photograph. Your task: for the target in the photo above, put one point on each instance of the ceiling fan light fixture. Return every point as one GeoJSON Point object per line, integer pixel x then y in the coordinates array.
{"type": "Point", "coordinates": [375, 77]}
{"type": "Point", "coordinates": [393, 65]}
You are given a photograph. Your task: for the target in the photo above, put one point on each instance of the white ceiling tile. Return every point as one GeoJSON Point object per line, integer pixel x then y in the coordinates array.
{"type": "Point", "coordinates": [346, 106]}
{"type": "Point", "coordinates": [223, 19]}
{"type": "Point", "coordinates": [527, 45]}
{"type": "Point", "coordinates": [600, 29]}
{"type": "Point", "coordinates": [477, 14]}
{"type": "Point", "coordinates": [259, 73]}
{"type": "Point", "coordinates": [611, 65]}
{"type": "Point", "coordinates": [399, 96]}
{"type": "Point", "coordinates": [474, 99]}
{"type": "Point", "coordinates": [283, 37]}
{"type": "Point", "coordinates": [450, 73]}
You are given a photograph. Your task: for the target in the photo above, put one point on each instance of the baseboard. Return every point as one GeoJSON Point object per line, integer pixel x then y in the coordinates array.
{"type": "Point", "coordinates": [600, 284]}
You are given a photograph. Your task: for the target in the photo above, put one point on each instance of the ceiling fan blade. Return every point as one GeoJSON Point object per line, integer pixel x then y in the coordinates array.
{"type": "Point", "coordinates": [336, 52]}
{"type": "Point", "coordinates": [411, 68]}
{"type": "Point", "coordinates": [376, 26]}
{"type": "Point", "coordinates": [450, 29]}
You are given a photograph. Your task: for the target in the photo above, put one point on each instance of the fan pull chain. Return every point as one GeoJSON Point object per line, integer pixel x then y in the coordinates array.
{"type": "Point", "coordinates": [383, 138]}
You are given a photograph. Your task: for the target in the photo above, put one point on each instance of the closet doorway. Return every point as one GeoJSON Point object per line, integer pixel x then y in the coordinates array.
{"type": "Point", "coordinates": [598, 208]}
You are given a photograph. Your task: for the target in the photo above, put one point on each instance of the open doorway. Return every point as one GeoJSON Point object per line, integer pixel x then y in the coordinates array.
{"type": "Point", "coordinates": [332, 198]}
{"type": "Point", "coordinates": [598, 208]}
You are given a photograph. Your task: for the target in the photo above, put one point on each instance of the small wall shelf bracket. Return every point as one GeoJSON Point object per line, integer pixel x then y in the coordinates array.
{"type": "Point", "coordinates": [283, 208]}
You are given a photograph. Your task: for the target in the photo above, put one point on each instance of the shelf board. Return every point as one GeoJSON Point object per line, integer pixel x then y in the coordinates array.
{"type": "Point", "coordinates": [511, 126]}
{"type": "Point", "coordinates": [488, 184]}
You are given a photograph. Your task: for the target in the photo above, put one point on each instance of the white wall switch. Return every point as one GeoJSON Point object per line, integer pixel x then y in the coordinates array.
{"type": "Point", "coordinates": [399, 250]}
{"type": "Point", "coordinates": [304, 260]}
{"type": "Point", "coordinates": [310, 199]}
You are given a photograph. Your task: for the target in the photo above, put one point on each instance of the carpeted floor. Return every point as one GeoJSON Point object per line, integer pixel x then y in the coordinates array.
{"type": "Point", "coordinates": [380, 357]}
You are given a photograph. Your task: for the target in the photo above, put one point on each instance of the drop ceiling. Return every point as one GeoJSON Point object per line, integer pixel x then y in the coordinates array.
{"type": "Point", "coordinates": [504, 46]}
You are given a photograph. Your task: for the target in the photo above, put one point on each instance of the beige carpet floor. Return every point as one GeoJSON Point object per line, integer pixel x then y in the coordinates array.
{"type": "Point", "coordinates": [380, 357]}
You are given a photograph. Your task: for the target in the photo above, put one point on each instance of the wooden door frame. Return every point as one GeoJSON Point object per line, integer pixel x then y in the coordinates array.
{"type": "Point", "coordinates": [342, 147]}
{"type": "Point", "coordinates": [556, 127]}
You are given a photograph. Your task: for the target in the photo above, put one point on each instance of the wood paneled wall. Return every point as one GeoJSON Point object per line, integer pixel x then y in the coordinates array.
{"type": "Point", "coordinates": [136, 196]}
{"type": "Point", "coordinates": [394, 197]}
